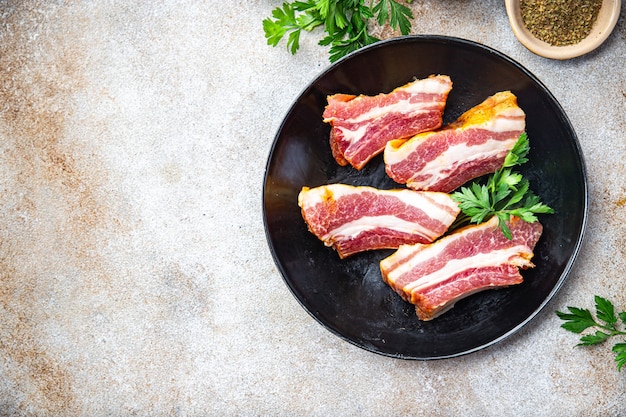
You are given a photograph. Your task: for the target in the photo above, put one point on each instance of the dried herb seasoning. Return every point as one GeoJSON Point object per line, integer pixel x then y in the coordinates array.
{"type": "Point", "coordinates": [560, 22]}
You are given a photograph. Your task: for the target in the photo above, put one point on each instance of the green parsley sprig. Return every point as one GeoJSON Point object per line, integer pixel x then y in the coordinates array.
{"type": "Point", "coordinates": [505, 194]}
{"type": "Point", "coordinates": [345, 22]}
{"type": "Point", "coordinates": [605, 325]}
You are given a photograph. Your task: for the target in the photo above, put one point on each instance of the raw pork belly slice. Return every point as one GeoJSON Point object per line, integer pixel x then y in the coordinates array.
{"type": "Point", "coordinates": [362, 125]}
{"type": "Point", "coordinates": [474, 145]}
{"type": "Point", "coordinates": [355, 219]}
{"type": "Point", "coordinates": [472, 259]}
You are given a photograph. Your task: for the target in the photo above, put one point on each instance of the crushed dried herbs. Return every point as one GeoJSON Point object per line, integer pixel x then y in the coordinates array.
{"type": "Point", "coordinates": [560, 22]}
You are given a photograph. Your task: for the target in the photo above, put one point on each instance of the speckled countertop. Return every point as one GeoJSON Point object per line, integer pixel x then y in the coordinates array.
{"type": "Point", "coordinates": [135, 277]}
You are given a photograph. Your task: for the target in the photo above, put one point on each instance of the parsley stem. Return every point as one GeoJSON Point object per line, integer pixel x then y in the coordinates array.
{"type": "Point", "coordinates": [612, 331]}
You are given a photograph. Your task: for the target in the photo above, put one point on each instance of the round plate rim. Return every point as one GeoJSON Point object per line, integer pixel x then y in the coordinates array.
{"type": "Point", "coordinates": [443, 39]}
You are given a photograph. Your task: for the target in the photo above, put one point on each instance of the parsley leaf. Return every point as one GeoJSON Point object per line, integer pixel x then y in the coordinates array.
{"type": "Point", "coordinates": [577, 320]}
{"type": "Point", "coordinates": [291, 19]}
{"type": "Point", "coordinates": [620, 357]}
{"type": "Point", "coordinates": [398, 18]}
{"type": "Point", "coordinates": [505, 194]}
{"type": "Point", "coordinates": [606, 311]}
{"type": "Point", "coordinates": [605, 324]}
{"type": "Point", "coordinates": [517, 155]}
{"type": "Point", "coordinates": [594, 339]}
{"type": "Point", "coordinates": [345, 23]}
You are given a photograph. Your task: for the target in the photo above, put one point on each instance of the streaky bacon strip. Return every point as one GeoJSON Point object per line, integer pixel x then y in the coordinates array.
{"type": "Point", "coordinates": [474, 145]}
{"type": "Point", "coordinates": [475, 258]}
{"type": "Point", "coordinates": [362, 125]}
{"type": "Point", "coordinates": [355, 219]}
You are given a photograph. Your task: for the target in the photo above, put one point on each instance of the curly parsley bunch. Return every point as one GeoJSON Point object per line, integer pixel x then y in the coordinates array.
{"type": "Point", "coordinates": [344, 21]}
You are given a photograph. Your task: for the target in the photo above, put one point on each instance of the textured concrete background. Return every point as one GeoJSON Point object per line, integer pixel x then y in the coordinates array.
{"type": "Point", "coordinates": [135, 278]}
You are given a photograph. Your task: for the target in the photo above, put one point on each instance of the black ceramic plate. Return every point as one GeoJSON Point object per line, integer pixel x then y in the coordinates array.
{"type": "Point", "coordinates": [348, 296]}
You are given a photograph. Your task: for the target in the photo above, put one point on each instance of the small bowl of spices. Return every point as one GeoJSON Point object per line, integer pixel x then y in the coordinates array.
{"type": "Point", "coordinates": [562, 29]}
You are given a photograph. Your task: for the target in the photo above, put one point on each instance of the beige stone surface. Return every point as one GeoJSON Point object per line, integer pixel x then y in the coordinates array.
{"type": "Point", "coordinates": [135, 278]}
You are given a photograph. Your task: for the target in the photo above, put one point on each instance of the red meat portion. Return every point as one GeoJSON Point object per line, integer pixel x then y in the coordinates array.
{"type": "Point", "coordinates": [355, 219]}
{"type": "Point", "coordinates": [362, 125]}
{"type": "Point", "coordinates": [475, 258]}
